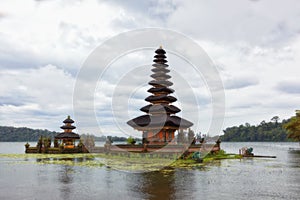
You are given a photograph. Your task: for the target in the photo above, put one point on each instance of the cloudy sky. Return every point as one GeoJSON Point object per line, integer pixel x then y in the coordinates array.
{"type": "Point", "coordinates": [254, 44]}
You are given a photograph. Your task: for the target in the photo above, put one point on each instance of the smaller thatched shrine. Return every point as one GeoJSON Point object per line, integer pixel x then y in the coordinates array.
{"type": "Point", "coordinates": [65, 142]}
{"type": "Point", "coordinates": [68, 138]}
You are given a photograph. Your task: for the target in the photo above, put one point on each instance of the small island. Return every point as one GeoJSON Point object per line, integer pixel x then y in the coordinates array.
{"type": "Point", "coordinates": [65, 142]}
{"type": "Point", "coordinates": [158, 126]}
{"type": "Point", "coordinates": [158, 129]}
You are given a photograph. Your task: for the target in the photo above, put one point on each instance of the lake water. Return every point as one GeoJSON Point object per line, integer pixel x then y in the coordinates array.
{"type": "Point", "coordinates": [251, 178]}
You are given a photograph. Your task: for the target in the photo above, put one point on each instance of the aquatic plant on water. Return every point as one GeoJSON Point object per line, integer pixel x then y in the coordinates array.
{"type": "Point", "coordinates": [127, 162]}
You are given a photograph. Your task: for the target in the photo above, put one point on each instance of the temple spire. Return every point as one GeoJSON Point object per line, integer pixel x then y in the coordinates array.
{"type": "Point", "coordinates": [68, 128]}
{"type": "Point", "coordinates": [160, 122]}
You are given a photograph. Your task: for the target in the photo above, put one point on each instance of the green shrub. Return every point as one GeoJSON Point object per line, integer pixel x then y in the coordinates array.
{"type": "Point", "coordinates": [131, 140]}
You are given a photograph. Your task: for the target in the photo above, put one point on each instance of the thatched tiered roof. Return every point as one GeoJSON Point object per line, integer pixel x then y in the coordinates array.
{"type": "Point", "coordinates": [159, 112]}
{"type": "Point", "coordinates": [68, 127]}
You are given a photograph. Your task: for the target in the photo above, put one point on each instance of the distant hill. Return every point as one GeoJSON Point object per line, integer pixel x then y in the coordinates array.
{"type": "Point", "coordinates": [12, 134]}
{"type": "Point", "coordinates": [103, 138]}
{"type": "Point", "coordinates": [272, 131]}
{"type": "Point", "coordinates": [23, 134]}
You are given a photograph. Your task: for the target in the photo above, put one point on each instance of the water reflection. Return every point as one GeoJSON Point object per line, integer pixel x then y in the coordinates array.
{"type": "Point", "coordinates": [294, 158]}
{"type": "Point", "coordinates": [62, 161]}
{"type": "Point", "coordinates": [156, 185]}
{"type": "Point", "coordinates": [65, 177]}
{"type": "Point", "coordinates": [153, 185]}
{"type": "Point", "coordinates": [294, 162]}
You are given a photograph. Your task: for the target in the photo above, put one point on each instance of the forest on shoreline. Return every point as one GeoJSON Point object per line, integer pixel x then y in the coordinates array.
{"type": "Point", "coordinates": [271, 131]}
{"type": "Point", "coordinates": [24, 134]}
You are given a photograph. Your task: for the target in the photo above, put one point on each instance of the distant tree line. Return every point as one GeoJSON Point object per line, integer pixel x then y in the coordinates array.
{"type": "Point", "coordinates": [103, 138]}
{"type": "Point", "coordinates": [272, 131]}
{"type": "Point", "coordinates": [23, 134]}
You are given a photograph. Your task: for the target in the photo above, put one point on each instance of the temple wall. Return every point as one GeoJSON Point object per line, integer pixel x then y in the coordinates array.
{"type": "Point", "coordinates": [160, 137]}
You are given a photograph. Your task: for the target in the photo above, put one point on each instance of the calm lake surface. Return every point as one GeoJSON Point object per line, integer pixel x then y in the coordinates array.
{"type": "Point", "coordinates": [252, 178]}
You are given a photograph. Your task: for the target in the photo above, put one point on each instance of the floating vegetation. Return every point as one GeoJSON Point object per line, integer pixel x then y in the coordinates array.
{"type": "Point", "coordinates": [87, 160]}
{"type": "Point", "coordinates": [132, 162]}
{"type": "Point", "coordinates": [43, 156]}
{"type": "Point", "coordinates": [220, 156]}
{"type": "Point", "coordinates": [88, 163]}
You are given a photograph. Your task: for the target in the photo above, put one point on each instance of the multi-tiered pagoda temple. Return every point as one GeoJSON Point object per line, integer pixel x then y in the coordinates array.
{"type": "Point", "coordinates": [67, 137]}
{"type": "Point", "coordinates": [64, 142]}
{"type": "Point", "coordinates": [160, 122]}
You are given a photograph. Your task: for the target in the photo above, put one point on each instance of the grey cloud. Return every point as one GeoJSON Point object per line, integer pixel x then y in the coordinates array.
{"type": "Point", "coordinates": [154, 8]}
{"type": "Point", "coordinates": [81, 38]}
{"type": "Point", "coordinates": [35, 93]}
{"type": "Point", "coordinates": [235, 21]}
{"type": "Point", "coordinates": [15, 56]}
{"type": "Point", "coordinates": [2, 15]}
{"type": "Point", "coordinates": [289, 87]}
{"type": "Point", "coordinates": [124, 23]}
{"type": "Point", "coordinates": [45, 113]}
{"type": "Point", "coordinates": [131, 5]}
{"type": "Point", "coordinates": [10, 51]}
{"type": "Point", "coordinates": [246, 105]}
{"type": "Point", "coordinates": [238, 83]}
{"type": "Point", "coordinates": [15, 99]}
